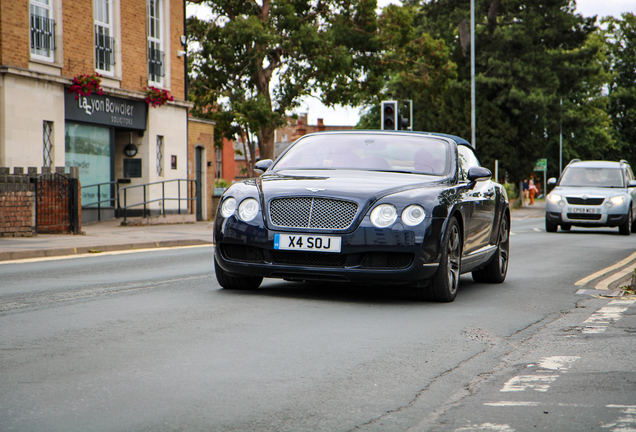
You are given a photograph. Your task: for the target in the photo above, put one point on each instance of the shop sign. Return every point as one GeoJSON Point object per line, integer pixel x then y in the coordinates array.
{"type": "Point", "coordinates": [106, 110]}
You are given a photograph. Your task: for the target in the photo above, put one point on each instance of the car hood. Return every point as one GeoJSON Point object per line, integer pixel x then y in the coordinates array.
{"type": "Point", "coordinates": [591, 192]}
{"type": "Point", "coordinates": [354, 185]}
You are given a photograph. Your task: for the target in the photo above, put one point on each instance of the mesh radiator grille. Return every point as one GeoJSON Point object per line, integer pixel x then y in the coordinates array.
{"type": "Point", "coordinates": [305, 212]}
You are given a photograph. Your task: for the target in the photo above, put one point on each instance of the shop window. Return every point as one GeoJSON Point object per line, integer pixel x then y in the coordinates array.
{"type": "Point", "coordinates": [218, 163]}
{"type": "Point", "coordinates": [104, 40]}
{"type": "Point", "coordinates": [42, 30]}
{"type": "Point", "coordinates": [159, 155]}
{"type": "Point", "coordinates": [156, 66]}
{"type": "Point", "coordinates": [47, 143]}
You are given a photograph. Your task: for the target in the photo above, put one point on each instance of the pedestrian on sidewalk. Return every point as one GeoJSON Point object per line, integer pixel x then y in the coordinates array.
{"type": "Point", "coordinates": [525, 192]}
{"type": "Point", "coordinates": [532, 190]}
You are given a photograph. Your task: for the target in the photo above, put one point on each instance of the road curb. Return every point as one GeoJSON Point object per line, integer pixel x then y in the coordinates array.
{"type": "Point", "coordinates": [44, 253]}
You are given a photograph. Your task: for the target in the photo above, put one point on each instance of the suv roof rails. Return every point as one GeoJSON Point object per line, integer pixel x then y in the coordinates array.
{"type": "Point", "coordinates": [623, 162]}
{"type": "Point", "coordinates": [574, 160]}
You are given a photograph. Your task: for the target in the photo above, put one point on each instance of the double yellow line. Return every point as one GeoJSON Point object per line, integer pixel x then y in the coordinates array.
{"type": "Point", "coordinates": [605, 283]}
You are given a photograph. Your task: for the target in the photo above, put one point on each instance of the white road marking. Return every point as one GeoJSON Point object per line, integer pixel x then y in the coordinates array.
{"type": "Point", "coordinates": [558, 363]}
{"type": "Point", "coordinates": [540, 383]}
{"type": "Point", "coordinates": [512, 404]}
{"type": "Point", "coordinates": [600, 273]}
{"type": "Point", "coordinates": [537, 229]}
{"type": "Point", "coordinates": [90, 255]}
{"type": "Point", "coordinates": [599, 320]}
{"type": "Point", "coordinates": [486, 427]}
{"type": "Point", "coordinates": [623, 424]}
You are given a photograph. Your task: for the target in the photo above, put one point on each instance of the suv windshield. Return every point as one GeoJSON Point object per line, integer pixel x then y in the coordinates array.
{"type": "Point", "coordinates": [595, 177]}
{"type": "Point", "coordinates": [375, 152]}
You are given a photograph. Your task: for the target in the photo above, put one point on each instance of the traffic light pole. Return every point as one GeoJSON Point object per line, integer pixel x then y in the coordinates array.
{"type": "Point", "coordinates": [472, 75]}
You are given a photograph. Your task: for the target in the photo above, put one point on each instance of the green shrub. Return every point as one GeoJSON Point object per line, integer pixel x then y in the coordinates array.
{"type": "Point", "coordinates": [221, 183]}
{"type": "Point", "coordinates": [511, 190]}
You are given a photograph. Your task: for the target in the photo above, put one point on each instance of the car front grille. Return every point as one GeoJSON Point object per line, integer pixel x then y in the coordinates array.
{"type": "Point", "coordinates": [243, 253]}
{"type": "Point", "coordinates": [309, 212]}
{"type": "Point", "coordinates": [333, 260]}
{"type": "Point", "coordinates": [583, 201]}
{"type": "Point", "coordinates": [584, 216]}
{"type": "Point", "coordinates": [387, 260]}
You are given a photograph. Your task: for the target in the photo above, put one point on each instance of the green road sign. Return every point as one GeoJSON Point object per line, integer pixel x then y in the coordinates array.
{"type": "Point", "coordinates": [541, 165]}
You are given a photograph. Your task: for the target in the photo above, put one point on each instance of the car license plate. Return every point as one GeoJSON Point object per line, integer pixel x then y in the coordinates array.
{"type": "Point", "coordinates": [307, 242]}
{"type": "Point", "coordinates": [582, 210]}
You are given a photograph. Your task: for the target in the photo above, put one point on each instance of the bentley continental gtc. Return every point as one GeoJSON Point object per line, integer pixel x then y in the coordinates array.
{"type": "Point", "coordinates": [369, 208]}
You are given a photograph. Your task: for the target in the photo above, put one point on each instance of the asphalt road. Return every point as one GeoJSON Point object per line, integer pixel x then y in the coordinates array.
{"type": "Point", "coordinates": [148, 342]}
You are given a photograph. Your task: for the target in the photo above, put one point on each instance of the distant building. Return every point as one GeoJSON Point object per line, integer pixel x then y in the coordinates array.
{"type": "Point", "coordinates": [297, 128]}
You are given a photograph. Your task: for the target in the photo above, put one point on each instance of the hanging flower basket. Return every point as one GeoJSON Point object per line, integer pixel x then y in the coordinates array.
{"type": "Point", "coordinates": [84, 85]}
{"type": "Point", "coordinates": [157, 97]}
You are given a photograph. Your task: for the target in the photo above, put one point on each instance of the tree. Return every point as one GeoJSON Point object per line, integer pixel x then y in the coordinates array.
{"type": "Point", "coordinates": [621, 62]}
{"type": "Point", "coordinates": [530, 54]}
{"type": "Point", "coordinates": [253, 61]}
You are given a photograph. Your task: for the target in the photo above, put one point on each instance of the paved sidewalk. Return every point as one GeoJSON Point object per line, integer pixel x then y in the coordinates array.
{"type": "Point", "coordinates": [106, 236]}
{"type": "Point", "coordinates": [110, 236]}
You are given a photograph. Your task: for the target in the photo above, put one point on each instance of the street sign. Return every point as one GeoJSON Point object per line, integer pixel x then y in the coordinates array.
{"type": "Point", "coordinates": [541, 165]}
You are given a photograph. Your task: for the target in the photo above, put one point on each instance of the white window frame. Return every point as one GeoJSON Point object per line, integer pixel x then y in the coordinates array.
{"type": "Point", "coordinates": [48, 156]}
{"type": "Point", "coordinates": [108, 31]}
{"type": "Point", "coordinates": [48, 9]}
{"type": "Point", "coordinates": [160, 155]}
{"type": "Point", "coordinates": [156, 31]}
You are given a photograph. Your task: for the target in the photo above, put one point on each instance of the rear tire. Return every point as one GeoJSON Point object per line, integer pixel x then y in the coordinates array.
{"type": "Point", "coordinates": [626, 228]}
{"type": "Point", "coordinates": [236, 282]}
{"type": "Point", "coordinates": [497, 269]}
{"type": "Point", "coordinates": [443, 286]}
{"type": "Point", "coordinates": [550, 227]}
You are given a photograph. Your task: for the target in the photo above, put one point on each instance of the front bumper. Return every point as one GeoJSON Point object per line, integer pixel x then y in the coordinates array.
{"type": "Point", "coordinates": [602, 216]}
{"type": "Point", "coordinates": [369, 255]}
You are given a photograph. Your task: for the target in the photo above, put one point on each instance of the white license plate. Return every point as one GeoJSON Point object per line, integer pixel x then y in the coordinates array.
{"type": "Point", "coordinates": [303, 242]}
{"type": "Point", "coordinates": [582, 210]}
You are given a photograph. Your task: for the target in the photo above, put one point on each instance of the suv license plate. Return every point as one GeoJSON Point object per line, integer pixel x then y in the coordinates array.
{"type": "Point", "coordinates": [307, 242]}
{"type": "Point", "coordinates": [582, 210]}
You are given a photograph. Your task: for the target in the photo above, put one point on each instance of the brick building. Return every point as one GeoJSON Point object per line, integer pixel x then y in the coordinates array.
{"type": "Point", "coordinates": [133, 44]}
{"type": "Point", "coordinates": [297, 128]}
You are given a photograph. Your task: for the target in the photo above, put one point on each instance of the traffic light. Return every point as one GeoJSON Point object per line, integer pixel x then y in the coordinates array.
{"type": "Point", "coordinates": [389, 120]}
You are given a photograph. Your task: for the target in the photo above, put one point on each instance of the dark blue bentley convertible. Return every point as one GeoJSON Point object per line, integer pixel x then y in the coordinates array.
{"type": "Point", "coordinates": [366, 207]}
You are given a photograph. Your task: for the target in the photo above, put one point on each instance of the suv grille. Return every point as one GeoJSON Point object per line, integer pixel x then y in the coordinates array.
{"type": "Point", "coordinates": [305, 212]}
{"type": "Point", "coordinates": [584, 216]}
{"type": "Point", "coordinates": [581, 201]}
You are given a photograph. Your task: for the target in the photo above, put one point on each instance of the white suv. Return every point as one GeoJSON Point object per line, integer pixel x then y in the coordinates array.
{"type": "Point", "coordinates": [593, 194]}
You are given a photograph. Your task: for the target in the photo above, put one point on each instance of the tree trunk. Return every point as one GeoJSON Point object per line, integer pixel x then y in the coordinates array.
{"type": "Point", "coordinates": [266, 143]}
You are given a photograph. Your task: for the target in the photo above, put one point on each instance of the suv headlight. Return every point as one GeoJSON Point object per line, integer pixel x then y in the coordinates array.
{"type": "Point", "coordinates": [617, 200]}
{"type": "Point", "coordinates": [413, 215]}
{"type": "Point", "coordinates": [228, 207]}
{"type": "Point", "coordinates": [248, 209]}
{"type": "Point", "coordinates": [383, 215]}
{"type": "Point", "coordinates": [556, 199]}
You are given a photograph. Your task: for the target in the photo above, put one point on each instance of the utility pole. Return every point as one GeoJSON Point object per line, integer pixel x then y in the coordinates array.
{"type": "Point", "coordinates": [561, 141]}
{"type": "Point", "coordinates": [472, 75]}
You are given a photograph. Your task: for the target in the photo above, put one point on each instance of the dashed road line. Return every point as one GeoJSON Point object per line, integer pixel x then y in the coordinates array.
{"type": "Point", "coordinates": [602, 318]}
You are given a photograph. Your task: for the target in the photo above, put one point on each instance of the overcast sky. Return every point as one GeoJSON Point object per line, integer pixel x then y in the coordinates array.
{"type": "Point", "coordinates": [349, 116]}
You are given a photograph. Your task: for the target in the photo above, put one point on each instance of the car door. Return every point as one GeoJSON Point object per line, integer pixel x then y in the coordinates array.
{"type": "Point", "coordinates": [480, 203]}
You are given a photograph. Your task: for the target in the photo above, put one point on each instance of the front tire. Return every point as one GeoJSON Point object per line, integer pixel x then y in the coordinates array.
{"type": "Point", "coordinates": [497, 269]}
{"type": "Point", "coordinates": [443, 287]}
{"type": "Point", "coordinates": [550, 227]}
{"type": "Point", "coordinates": [236, 282]}
{"type": "Point", "coordinates": [626, 228]}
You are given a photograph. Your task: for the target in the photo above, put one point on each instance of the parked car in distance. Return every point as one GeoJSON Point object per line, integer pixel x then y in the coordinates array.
{"type": "Point", "coordinates": [593, 194]}
{"type": "Point", "coordinates": [367, 207]}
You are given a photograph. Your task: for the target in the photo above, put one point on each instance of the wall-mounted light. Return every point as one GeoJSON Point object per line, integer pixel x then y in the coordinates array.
{"type": "Point", "coordinates": [181, 53]}
{"type": "Point", "coordinates": [130, 150]}
{"type": "Point", "coordinates": [183, 40]}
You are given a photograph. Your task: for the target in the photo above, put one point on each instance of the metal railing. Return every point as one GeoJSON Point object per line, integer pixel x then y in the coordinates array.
{"type": "Point", "coordinates": [42, 33]}
{"type": "Point", "coordinates": [191, 191]}
{"type": "Point", "coordinates": [100, 201]}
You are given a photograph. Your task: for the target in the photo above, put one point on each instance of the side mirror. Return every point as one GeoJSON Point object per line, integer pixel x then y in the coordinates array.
{"type": "Point", "coordinates": [631, 183]}
{"type": "Point", "coordinates": [551, 181]}
{"type": "Point", "coordinates": [478, 173]}
{"type": "Point", "coordinates": [263, 165]}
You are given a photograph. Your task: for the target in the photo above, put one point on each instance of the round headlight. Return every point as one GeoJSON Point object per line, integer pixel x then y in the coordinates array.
{"type": "Point", "coordinates": [413, 215]}
{"type": "Point", "coordinates": [228, 207]}
{"type": "Point", "coordinates": [248, 209]}
{"type": "Point", "coordinates": [554, 198]}
{"type": "Point", "coordinates": [617, 200]}
{"type": "Point", "coordinates": [383, 215]}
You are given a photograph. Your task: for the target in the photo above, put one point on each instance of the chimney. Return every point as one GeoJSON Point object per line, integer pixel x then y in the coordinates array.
{"type": "Point", "coordinates": [321, 125]}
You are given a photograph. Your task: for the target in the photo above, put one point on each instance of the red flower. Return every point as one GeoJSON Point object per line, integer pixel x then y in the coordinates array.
{"type": "Point", "coordinates": [157, 97]}
{"type": "Point", "coordinates": [84, 85]}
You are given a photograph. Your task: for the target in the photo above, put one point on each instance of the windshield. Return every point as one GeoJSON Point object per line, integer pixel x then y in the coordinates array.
{"type": "Point", "coordinates": [368, 151]}
{"type": "Point", "coordinates": [595, 177]}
